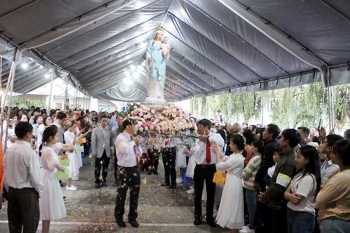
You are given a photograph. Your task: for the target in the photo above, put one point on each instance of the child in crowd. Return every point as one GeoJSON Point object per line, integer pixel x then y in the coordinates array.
{"type": "Point", "coordinates": [251, 189]}
{"type": "Point", "coordinates": [271, 170]}
{"type": "Point", "coordinates": [70, 137]}
{"type": "Point", "coordinates": [180, 162]}
{"type": "Point", "coordinates": [302, 191]}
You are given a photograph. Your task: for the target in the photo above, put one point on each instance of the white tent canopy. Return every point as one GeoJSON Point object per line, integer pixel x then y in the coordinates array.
{"type": "Point", "coordinates": [224, 45]}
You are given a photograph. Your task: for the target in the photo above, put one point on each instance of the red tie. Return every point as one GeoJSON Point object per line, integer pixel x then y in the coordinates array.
{"type": "Point", "coordinates": [207, 154]}
{"type": "Point", "coordinates": [137, 158]}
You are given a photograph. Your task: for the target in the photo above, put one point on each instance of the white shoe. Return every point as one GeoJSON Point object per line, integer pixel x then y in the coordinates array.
{"type": "Point", "coordinates": [246, 229]}
{"type": "Point", "coordinates": [191, 191]}
{"type": "Point", "coordinates": [215, 213]}
{"type": "Point", "coordinates": [75, 178]}
{"type": "Point", "coordinates": [179, 180]}
{"type": "Point", "coordinates": [71, 188]}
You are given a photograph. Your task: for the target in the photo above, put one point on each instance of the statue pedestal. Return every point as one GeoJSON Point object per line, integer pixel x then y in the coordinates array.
{"type": "Point", "coordinates": [155, 100]}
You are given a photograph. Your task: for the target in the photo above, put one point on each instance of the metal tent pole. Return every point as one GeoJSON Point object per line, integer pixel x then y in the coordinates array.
{"type": "Point", "coordinates": [51, 89]}
{"type": "Point", "coordinates": [262, 109]}
{"type": "Point", "coordinates": [84, 101]}
{"type": "Point", "coordinates": [76, 96]}
{"type": "Point", "coordinates": [9, 88]}
{"type": "Point", "coordinates": [66, 97]}
{"type": "Point", "coordinates": [330, 101]}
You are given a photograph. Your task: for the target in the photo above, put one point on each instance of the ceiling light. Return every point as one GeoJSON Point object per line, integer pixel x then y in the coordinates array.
{"type": "Point", "coordinates": [136, 74]}
{"type": "Point", "coordinates": [143, 44]}
{"type": "Point", "coordinates": [47, 76]}
{"type": "Point", "coordinates": [24, 65]}
{"type": "Point", "coordinates": [128, 81]}
{"type": "Point", "coordinates": [132, 67]}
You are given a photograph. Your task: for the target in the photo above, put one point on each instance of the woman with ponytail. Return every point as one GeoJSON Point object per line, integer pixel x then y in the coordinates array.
{"type": "Point", "coordinates": [231, 210]}
{"type": "Point", "coordinates": [51, 201]}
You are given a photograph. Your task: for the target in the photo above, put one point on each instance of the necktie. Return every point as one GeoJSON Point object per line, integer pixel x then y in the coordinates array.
{"type": "Point", "coordinates": [136, 157]}
{"type": "Point", "coordinates": [207, 152]}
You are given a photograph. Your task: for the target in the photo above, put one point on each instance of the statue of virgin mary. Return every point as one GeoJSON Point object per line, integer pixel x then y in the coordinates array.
{"type": "Point", "coordinates": [156, 68]}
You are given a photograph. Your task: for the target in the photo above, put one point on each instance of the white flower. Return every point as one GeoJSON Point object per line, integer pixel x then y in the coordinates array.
{"type": "Point", "coordinates": [141, 129]}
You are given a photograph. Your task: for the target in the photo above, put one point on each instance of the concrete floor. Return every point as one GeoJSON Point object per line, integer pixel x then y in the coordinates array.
{"type": "Point", "coordinates": [92, 210]}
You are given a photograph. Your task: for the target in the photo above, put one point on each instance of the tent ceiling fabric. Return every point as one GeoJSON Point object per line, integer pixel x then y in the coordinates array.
{"type": "Point", "coordinates": [97, 42]}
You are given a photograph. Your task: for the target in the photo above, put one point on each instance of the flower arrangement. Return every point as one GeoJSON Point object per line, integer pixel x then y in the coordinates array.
{"type": "Point", "coordinates": [158, 119]}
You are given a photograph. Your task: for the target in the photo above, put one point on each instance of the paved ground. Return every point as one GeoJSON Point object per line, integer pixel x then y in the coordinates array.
{"type": "Point", "coordinates": [92, 210]}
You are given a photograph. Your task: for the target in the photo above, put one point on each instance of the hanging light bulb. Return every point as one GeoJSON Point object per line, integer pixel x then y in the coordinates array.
{"type": "Point", "coordinates": [24, 66]}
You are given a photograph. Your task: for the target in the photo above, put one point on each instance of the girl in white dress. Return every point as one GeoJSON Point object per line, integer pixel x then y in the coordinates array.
{"type": "Point", "coordinates": [70, 137]}
{"type": "Point", "coordinates": [51, 200]}
{"type": "Point", "coordinates": [231, 210]}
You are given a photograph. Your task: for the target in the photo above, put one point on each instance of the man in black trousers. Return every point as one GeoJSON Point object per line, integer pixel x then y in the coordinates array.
{"type": "Point", "coordinates": [128, 152]}
{"type": "Point", "coordinates": [23, 182]}
{"type": "Point", "coordinates": [204, 170]}
{"type": "Point", "coordinates": [169, 159]}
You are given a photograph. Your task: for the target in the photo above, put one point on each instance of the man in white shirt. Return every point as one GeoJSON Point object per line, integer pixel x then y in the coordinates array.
{"type": "Point", "coordinates": [128, 151]}
{"type": "Point", "coordinates": [204, 170]}
{"type": "Point", "coordinates": [328, 169]}
{"type": "Point", "coordinates": [101, 143]}
{"type": "Point", "coordinates": [59, 120]}
{"type": "Point", "coordinates": [22, 182]}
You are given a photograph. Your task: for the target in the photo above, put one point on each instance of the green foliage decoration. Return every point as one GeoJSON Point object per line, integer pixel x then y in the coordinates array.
{"type": "Point", "coordinates": [290, 107]}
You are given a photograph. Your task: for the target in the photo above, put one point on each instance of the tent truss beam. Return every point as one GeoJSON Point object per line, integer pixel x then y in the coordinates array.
{"type": "Point", "coordinates": [78, 18]}
{"type": "Point", "coordinates": [114, 36]}
{"type": "Point", "coordinates": [235, 35]}
{"type": "Point", "coordinates": [66, 67]}
{"type": "Point", "coordinates": [214, 63]}
{"type": "Point", "coordinates": [336, 11]}
{"type": "Point", "coordinates": [276, 35]}
{"type": "Point", "coordinates": [104, 25]}
{"type": "Point", "coordinates": [218, 46]}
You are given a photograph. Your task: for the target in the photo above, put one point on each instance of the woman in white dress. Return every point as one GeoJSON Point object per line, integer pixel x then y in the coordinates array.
{"type": "Point", "coordinates": [231, 210]}
{"type": "Point", "coordinates": [70, 137]}
{"type": "Point", "coordinates": [51, 200]}
{"type": "Point", "coordinates": [39, 129]}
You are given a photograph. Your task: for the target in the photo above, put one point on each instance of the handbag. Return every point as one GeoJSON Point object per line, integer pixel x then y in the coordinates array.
{"type": "Point", "coordinates": [63, 175]}
{"type": "Point", "coordinates": [219, 177]}
{"type": "Point", "coordinates": [81, 140]}
{"type": "Point", "coordinates": [64, 161]}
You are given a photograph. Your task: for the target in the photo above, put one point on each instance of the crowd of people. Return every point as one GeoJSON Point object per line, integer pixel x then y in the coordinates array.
{"type": "Point", "coordinates": [276, 181]}
{"type": "Point", "coordinates": [294, 180]}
